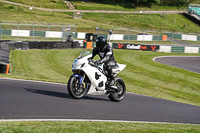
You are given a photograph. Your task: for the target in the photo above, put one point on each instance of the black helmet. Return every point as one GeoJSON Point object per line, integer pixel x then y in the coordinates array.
{"type": "Point", "coordinates": [101, 42]}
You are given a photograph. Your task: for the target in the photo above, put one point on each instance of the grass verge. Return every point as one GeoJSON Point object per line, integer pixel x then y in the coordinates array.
{"type": "Point", "coordinates": [89, 21]}
{"type": "Point", "coordinates": [142, 75]}
{"type": "Point", "coordinates": [91, 127]}
{"type": "Point", "coordinates": [80, 5]}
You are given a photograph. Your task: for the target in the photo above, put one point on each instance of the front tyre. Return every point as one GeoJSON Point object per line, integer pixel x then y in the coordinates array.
{"type": "Point", "coordinates": [121, 91]}
{"type": "Point", "coordinates": [75, 90]}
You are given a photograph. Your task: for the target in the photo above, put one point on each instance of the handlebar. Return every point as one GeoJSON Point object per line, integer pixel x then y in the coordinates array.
{"type": "Point", "coordinates": [91, 62]}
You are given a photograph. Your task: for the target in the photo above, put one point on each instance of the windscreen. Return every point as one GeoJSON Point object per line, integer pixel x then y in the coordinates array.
{"type": "Point", "coordinates": [83, 54]}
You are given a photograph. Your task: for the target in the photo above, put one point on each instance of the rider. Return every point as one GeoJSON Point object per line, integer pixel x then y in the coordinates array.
{"type": "Point", "coordinates": [105, 53]}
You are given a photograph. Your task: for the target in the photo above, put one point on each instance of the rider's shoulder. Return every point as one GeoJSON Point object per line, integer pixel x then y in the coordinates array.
{"type": "Point", "coordinates": [108, 47]}
{"type": "Point", "coordinates": [95, 48]}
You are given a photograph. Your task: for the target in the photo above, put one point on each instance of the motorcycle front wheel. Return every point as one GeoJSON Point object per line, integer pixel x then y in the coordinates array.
{"type": "Point", "coordinates": [75, 90]}
{"type": "Point", "coordinates": [120, 93]}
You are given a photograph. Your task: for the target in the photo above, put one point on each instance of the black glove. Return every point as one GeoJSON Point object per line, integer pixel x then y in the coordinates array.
{"type": "Point", "coordinates": [97, 62]}
{"type": "Point", "coordinates": [90, 60]}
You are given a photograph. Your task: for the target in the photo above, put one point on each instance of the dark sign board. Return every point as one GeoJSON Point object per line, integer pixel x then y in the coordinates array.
{"type": "Point", "coordinates": [136, 47]}
{"type": "Point", "coordinates": [119, 45]}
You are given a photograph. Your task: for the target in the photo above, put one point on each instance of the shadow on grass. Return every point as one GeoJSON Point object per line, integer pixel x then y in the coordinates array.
{"type": "Point", "coordinates": [193, 19]}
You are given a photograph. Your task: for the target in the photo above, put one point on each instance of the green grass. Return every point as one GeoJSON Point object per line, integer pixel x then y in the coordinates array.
{"type": "Point", "coordinates": [155, 22]}
{"type": "Point", "coordinates": [93, 127]}
{"type": "Point", "coordinates": [121, 7]}
{"type": "Point", "coordinates": [53, 4]}
{"type": "Point", "coordinates": [59, 4]}
{"type": "Point", "coordinates": [142, 75]}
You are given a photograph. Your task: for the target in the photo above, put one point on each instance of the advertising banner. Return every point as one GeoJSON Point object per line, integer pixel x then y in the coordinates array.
{"type": "Point", "coordinates": [191, 50]}
{"type": "Point", "coordinates": [189, 37]}
{"type": "Point", "coordinates": [119, 46]}
{"type": "Point", "coordinates": [144, 37]}
{"type": "Point", "coordinates": [149, 47]}
{"type": "Point", "coordinates": [117, 37]}
{"type": "Point", "coordinates": [81, 35]}
{"type": "Point", "coordinates": [166, 49]}
{"type": "Point", "coordinates": [53, 34]}
{"type": "Point", "coordinates": [136, 47]}
{"type": "Point", "coordinates": [24, 33]}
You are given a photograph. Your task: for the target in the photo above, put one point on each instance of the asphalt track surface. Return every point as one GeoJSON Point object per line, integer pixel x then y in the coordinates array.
{"type": "Point", "coordinates": [20, 99]}
{"type": "Point", "coordinates": [39, 100]}
{"type": "Point", "coordinates": [190, 63]}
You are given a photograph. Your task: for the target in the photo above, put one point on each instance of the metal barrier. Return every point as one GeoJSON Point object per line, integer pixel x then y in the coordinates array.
{"type": "Point", "coordinates": [36, 32]}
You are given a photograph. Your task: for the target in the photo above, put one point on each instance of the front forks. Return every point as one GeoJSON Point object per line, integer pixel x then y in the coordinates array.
{"type": "Point", "coordinates": [80, 79]}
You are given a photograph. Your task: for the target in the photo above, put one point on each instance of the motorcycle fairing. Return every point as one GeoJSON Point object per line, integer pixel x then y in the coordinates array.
{"type": "Point", "coordinates": [97, 78]}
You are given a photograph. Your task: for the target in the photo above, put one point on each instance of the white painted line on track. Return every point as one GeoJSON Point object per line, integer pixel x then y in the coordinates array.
{"type": "Point", "coordinates": [85, 120]}
{"type": "Point", "coordinates": [154, 59]}
{"type": "Point", "coordinates": [33, 81]}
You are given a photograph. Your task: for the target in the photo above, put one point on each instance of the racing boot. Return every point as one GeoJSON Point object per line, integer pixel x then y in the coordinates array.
{"type": "Point", "coordinates": [112, 80]}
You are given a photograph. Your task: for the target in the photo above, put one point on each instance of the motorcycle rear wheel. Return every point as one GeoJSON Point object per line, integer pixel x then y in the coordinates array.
{"type": "Point", "coordinates": [117, 96]}
{"type": "Point", "coordinates": [75, 90]}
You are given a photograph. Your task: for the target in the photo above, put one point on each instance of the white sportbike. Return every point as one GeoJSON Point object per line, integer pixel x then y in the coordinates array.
{"type": "Point", "coordinates": [89, 78]}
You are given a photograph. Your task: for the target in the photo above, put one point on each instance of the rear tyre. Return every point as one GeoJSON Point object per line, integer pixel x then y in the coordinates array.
{"type": "Point", "coordinates": [118, 95]}
{"type": "Point", "coordinates": [75, 90]}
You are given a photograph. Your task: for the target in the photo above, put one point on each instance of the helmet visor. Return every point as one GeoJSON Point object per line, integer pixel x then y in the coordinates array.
{"type": "Point", "coordinates": [100, 45]}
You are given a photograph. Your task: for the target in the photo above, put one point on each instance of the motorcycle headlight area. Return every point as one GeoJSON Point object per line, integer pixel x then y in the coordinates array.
{"type": "Point", "coordinates": [78, 64]}
{"type": "Point", "coordinates": [74, 65]}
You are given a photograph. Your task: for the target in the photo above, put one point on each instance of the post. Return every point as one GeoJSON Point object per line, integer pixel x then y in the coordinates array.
{"type": "Point", "coordinates": [143, 37]}
{"type": "Point", "coordinates": [96, 29]}
{"type": "Point", "coordinates": [174, 20]}
{"type": "Point", "coordinates": [1, 31]}
{"type": "Point", "coordinates": [18, 31]}
{"type": "Point", "coordinates": [160, 25]}
{"type": "Point", "coordinates": [7, 68]}
{"type": "Point", "coordinates": [157, 38]}
{"type": "Point", "coordinates": [48, 30]}
{"type": "Point", "coordinates": [33, 32]}
{"type": "Point", "coordinates": [101, 18]}
{"type": "Point", "coordinates": [62, 30]}
{"type": "Point", "coordinates": [35, 9]}
{"type": "Point", "coordinates": [129, 32]}
{"type": "Point", "coordinates": [53, 13]}
{"type": "Point", "coordinates": [75, 28]}
{"type": "Point", "coordinates": [172, 38]}
{"type": "Point", "coordinates": [110, 33]}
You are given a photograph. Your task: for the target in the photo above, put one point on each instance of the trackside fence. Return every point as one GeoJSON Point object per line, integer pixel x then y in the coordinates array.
{"type": "Point", "coordinates": [36, 32]}
{"type": "Point", "coordinates": [39, 32]}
